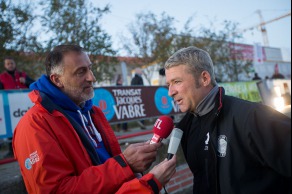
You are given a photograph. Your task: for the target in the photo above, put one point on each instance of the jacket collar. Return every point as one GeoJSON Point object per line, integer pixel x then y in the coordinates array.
{"type": "Point", "coordinates": [207, 104]}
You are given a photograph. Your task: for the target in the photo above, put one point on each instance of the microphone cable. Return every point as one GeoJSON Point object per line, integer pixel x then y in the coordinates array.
{"type": "Point", "coordinates": [165, 190]}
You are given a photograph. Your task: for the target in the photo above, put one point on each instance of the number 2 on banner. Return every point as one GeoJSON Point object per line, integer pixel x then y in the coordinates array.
{"type": "Point", "coordinates": [158, 123]}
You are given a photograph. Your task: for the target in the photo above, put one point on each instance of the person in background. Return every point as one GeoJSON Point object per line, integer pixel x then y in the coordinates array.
{"type": "Point", "coordinates": [124, 125]}
{"type": "Point", "coordinates": [64, 144]}
{"type": "Point", "coordinates": [162, 77]}
{"type": "Point", "coordinates": [137, 80]}
{"type": "Point", "coordinates": [277, 74]}
{"type": "Point", "coordinates": [12, 79]}
{"type": "Point", "coordinates": [231, 145]}
{"type": "Point", "coordinates": [256, 77]}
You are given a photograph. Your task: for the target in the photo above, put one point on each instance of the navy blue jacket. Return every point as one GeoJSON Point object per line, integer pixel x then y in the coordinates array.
{"type": "Point", "coordinates": [239, 147]}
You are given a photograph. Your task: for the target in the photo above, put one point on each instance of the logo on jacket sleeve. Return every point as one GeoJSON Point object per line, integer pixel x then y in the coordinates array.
{"type": "Point", "coordinates": [33, 158]}
{"type": "Point", "coordinates": [222, 145]}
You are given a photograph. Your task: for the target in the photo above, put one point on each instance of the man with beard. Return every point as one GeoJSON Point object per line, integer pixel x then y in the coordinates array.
{"type": "Point", "coordinates": [64, 143]}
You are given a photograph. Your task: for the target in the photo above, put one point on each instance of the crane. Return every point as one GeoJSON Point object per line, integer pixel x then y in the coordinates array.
{"type": "Point", "coordinates": [262, 25]}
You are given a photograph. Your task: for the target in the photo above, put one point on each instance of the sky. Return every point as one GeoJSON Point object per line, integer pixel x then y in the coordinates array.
{"type": "Point", "coordinates": [123, 12]}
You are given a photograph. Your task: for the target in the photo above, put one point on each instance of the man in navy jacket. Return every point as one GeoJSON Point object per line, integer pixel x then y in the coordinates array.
{"type": "Point", "coordinates": [231, 145]}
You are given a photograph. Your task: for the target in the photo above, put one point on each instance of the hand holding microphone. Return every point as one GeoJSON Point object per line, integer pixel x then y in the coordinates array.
{"type": "Point", "coordinates": [164, 170]}
{"type": "Point", "coordinates": [162, 128]}
{"type": "Point", "coordinates": [140, 156]}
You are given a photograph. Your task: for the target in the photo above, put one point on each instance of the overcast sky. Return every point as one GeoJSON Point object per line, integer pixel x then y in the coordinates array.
{"type": "Point", "coordinates": [243, 12]}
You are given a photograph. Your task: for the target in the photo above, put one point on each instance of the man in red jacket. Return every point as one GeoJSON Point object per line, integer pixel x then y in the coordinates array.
{"type": "Point", "coordinates": [64, 143]}
{"type": "Point", "coordinates": [10, 79]}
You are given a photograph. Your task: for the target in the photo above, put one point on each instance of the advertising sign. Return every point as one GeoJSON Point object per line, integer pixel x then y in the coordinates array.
{"type": "Point", "coordinates": [117, 103]}
{"type": "Point", "coordinates": [132, 103]}
{"type": "Point", "coordinates": [17, 110]}
{"type": "Point", "coordinates": [258, 54]}
{"type": "Point", "coordinates": [15, 103]}
{"type": "Point", "coordinates": [244, 90]}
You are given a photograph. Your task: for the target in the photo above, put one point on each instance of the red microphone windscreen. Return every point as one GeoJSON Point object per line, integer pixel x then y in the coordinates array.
{"type": "Point", "coordinates": [163, 126]}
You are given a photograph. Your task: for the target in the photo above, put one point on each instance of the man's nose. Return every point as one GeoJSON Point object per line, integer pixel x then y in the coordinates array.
{"type": "Point", "coordinates": [171, 91]}
{"type": "Point", "coordinates": [91, 76]}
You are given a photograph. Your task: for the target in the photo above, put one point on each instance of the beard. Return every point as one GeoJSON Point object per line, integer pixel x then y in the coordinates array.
{"type": "Point", "coordinates": [79, 94]}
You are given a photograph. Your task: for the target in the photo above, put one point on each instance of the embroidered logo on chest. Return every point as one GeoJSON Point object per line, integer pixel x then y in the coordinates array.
{"type": "Point", "coordinates": [207, 141]}
{"type": "Point", "coordinates": [222, 145]}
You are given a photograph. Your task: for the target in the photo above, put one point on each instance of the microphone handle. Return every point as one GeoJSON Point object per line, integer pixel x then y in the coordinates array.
{"type": "Point", "coordinates": [169, 156]}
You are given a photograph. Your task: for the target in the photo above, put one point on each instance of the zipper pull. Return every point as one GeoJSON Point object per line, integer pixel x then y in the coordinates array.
{"type": "Point", "coordinates": [98, 136]}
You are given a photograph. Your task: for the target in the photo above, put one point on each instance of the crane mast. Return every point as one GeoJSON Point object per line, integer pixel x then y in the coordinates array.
{"type": "Point", "coordinates": [263, 29]}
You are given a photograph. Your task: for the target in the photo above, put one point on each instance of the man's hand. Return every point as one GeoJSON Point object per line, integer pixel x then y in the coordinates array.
{"type": "Point", "coordinates": [164, 170]}
{"type": "Point", "coordinates": [140, 156]}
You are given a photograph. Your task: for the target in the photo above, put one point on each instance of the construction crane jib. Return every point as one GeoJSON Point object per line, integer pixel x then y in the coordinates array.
{"type": "Point", "coordinates": [262, 25]}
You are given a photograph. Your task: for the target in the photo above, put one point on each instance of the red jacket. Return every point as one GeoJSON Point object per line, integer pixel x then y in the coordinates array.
{"type": "Point", "coordinates": [53, 159]}
{"type": "Point", "coordinates": [10, 82]}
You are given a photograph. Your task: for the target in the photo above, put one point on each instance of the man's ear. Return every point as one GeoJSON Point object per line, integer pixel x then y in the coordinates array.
{"type": "Point", "coordinates": [56, 80]}
{"type": "Point", "coordinates": [206, 78]}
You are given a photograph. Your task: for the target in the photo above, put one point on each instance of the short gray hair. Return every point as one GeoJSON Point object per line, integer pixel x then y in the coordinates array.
{"type": "Point", "coordinates": [196, 59]}
{"type": "Point", "coordinates": [54, 59]}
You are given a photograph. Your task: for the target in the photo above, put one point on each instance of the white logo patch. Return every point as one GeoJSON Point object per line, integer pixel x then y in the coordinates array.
{"type": "Point", "coordinates": [207, 142]}
{"type": "Point", "coordinates": [222, 145]}
{"type": "Point", "coordinates": [33, 158]}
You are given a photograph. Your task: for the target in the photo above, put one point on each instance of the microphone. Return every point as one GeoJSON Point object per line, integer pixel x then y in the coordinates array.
{"type": "Point", "coordinates": [174, 142]}
{"type": "Point", "coordinates": [162, 128]}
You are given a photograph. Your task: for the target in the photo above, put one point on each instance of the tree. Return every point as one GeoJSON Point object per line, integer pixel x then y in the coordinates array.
{"type": "Point", "coordinates": [16, 36]}
{"type": "Point", "coordinates": [77, 22]}
{"type": "Point", "coordinates": [154, 40]}
{"type": "Point", "coordinates": [151, 40]}
{"type": "Point", "coordinates": [227, 57]}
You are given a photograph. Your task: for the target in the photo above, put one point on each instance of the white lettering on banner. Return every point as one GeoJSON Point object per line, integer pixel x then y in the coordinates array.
{"type": "Point", "coordinates": [130, 111]}
{"type": "Point", "coordinates": [129, 103]}
{"type": "Point", "coordinates": [127, 92]}
{"type": "Point", "coordinates": [128, 100]}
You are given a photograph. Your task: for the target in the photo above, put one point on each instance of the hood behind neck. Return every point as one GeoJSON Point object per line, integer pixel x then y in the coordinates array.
{"type": "Point", "coordinates": [43, 84]}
